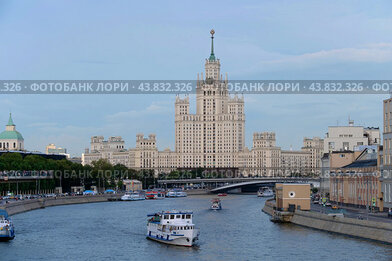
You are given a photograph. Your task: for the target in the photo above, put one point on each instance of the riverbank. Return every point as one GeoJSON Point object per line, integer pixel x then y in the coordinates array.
{"type": "Point", "coordinates": [378, 231]}
{"type": "Point", "coordinates": [21, 206]}
{"type": "Point", "coordinates": [17, 207]}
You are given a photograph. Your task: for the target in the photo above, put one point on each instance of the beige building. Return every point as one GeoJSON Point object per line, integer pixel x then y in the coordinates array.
{"type": "Point", "coordinates": [297, 195]}
{"type": "Point", "coordinates": [341, 146]}
{"type": "Point", "coordinates": [112, 149]}
{"type": "Point", "coordinates": [296, 162]}
{"type": "Point", "coordinates": [357, 183]}
{"type": "Point", "coordinates": [315, 146]}
{"type": "Point", "coordinates": [332, 162]}
{"type": "Point", "coordinates": [263, 159]}
{"type": "Point", "coordinates": [341, 138]}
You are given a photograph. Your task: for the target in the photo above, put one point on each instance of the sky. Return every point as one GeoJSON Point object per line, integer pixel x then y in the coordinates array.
{"type": "Point", "coordinates": [169, 40]}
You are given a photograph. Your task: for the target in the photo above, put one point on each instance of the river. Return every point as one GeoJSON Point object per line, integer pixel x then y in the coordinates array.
{"type": "Point", "coordinates": [116, 231]}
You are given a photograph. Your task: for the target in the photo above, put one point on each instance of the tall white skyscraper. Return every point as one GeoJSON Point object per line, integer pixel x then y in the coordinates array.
{"type": "Point", "coordinates": [215, 135]}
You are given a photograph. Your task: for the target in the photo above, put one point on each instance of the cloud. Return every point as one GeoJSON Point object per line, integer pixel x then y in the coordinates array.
{"type": "Point", "coordinates": [254, 60]}
{"type": "Point", "coordinates": [42, 125]}
{"type": "Point", "coordinates": [155, 108]}
{"type": "Point", "coordinates": [7, 103]}
{"type": "Point", "coordinates": [95, 62]}
{"type": "Point", "coordinates": [370, 53]}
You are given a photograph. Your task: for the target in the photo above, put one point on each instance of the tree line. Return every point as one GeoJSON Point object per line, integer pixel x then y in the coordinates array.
{"type": "Point", "coordinates": [67, 174]}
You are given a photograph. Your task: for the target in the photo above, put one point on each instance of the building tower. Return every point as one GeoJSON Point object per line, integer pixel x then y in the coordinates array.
{"type": "Point", "coordinates": [11, 139]}
{"type": "Point", "coordinates": [213, 136]}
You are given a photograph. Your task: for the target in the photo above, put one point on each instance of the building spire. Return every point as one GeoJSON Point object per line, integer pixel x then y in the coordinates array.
{"type": "Point", "coordinates": [10, 121]}
{"type": "Point", "coordinates": [212, 55]}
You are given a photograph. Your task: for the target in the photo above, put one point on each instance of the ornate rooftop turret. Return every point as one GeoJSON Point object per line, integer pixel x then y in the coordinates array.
{"type": "Point", "coordinates": [10, 121]}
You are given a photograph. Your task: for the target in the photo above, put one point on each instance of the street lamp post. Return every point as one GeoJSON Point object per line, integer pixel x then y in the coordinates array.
{"type": "Point", "coordinates": [367, 198]}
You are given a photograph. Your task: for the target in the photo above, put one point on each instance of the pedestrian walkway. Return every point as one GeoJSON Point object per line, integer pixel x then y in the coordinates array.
{"type": "Point", "coordinates": [353, 212]}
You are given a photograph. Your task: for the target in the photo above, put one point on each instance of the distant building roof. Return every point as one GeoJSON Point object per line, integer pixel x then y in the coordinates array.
{"type": "Point", "coordinates": [343, 151]}
{"type": "Point", "coordinates": [362, 164]}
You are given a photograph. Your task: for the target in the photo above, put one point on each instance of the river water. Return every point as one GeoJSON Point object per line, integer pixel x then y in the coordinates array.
{"type": "Point", "coordinates": [116, 231]}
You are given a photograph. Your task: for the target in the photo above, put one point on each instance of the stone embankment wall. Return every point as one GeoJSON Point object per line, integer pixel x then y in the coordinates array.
{"type": "Point", "coordinates": [31, 204]}
{"type": "Point", "coordinates": [379, 231]}
{"type": "Point", "coordinates": [268, 207]}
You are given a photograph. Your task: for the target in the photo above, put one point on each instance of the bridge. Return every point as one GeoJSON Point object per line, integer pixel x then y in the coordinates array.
{"type": "Point", "coordinates": [216, 185]}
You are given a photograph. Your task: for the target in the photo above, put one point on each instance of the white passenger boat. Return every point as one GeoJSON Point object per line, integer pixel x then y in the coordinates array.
{"type": "Point", "coordinates": [175, 193]}
{"type": "Point", "coordinates": [180, 194]}
{"type": "Point", "coordinates": [133, 196]}
{"type": "Point", "coordinates": [173, 228]}
{"type": "Point", "coordinates": [216, 204]}
{"type": "Point", "coordinates": [171, 194]}
{"type": "Point", "coordinates": [7, 231]}
{"type": "Point", "coordinates": [265, 192]}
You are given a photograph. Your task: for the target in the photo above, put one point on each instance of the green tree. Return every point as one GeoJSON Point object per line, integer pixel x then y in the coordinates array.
{"type": "Point", "coordinates": [11, 161]}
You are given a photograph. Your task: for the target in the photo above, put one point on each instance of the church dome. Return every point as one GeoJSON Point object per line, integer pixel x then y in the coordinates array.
{"type": "Point", "coordinates": [11, 135]}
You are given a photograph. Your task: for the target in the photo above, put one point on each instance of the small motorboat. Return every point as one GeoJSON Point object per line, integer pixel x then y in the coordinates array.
{"type": "Point", "coordinates": [171, 194]}
{"type": "Point", "coordinates": [222, 194]}
{"type": "Point", "coordinates": [173, 228]}
{"type": "Point", "coordinates": [181, 194]}
{"type": "Point", "coordinates": [216, 204]}
{"type": "Point", "coordinates": [176, 193]}
{"type": "Point", "coordinates": [7, 231]}
{"type": "Point", "coordinates": [265, 192]}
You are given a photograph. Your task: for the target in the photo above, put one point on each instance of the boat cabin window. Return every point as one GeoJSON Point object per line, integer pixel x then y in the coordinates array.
{"type": "Point", "coordinates": [188, 216]}
{"type": "Point", "coordinates": [166, 216]}
{"type": "Point", "coordinates": [178, 216]}
{"type": "Point", "coordinates": [171, 216]}
{"type": "Point", "coordinates": [183, 216]}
